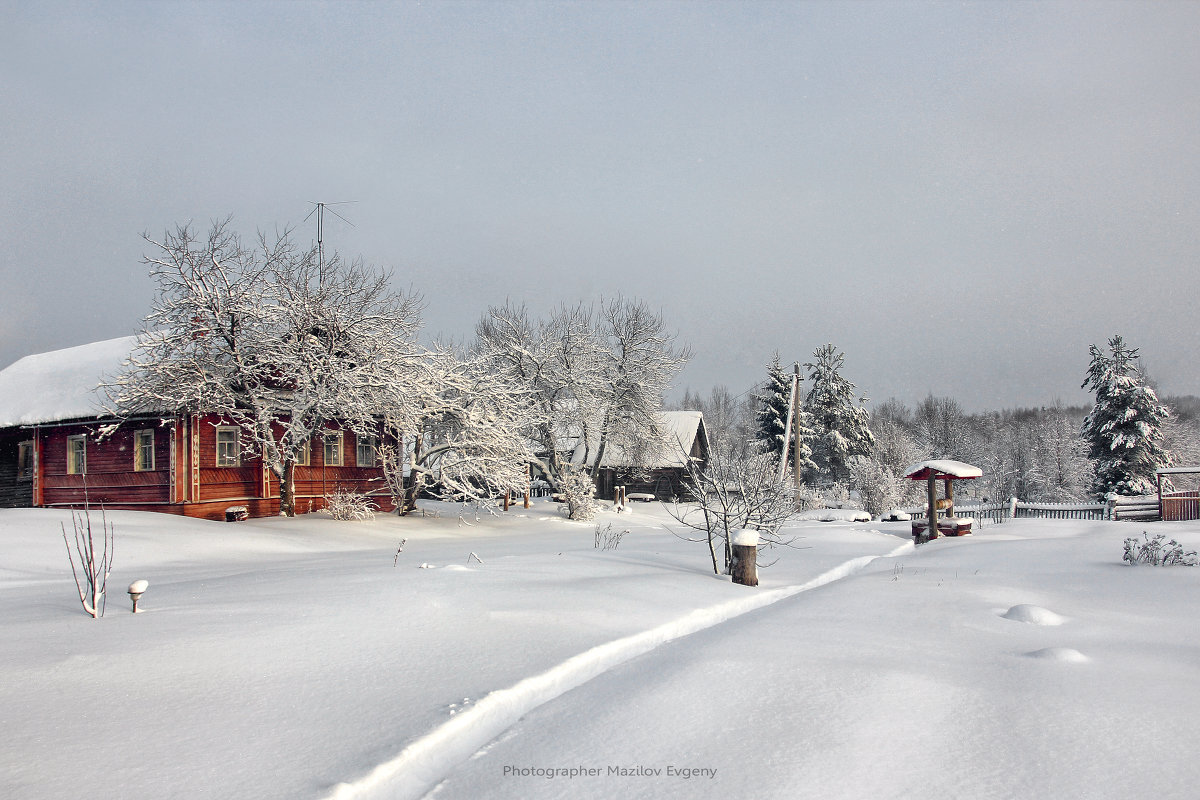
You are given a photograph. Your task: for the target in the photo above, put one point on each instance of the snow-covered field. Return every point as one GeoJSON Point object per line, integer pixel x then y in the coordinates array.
{"type": "Point", "coordinates": [303, 659]}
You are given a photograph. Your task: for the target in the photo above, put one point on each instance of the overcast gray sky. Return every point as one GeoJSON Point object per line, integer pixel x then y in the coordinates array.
{"type": "Point", "coordinates": [960, 196]}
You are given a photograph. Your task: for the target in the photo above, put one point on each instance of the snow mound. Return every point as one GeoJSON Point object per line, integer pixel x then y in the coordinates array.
{"type": "Point", "coordinates": [1066, 655]}
{"type": "Point", "coordinates": [1033, 615]}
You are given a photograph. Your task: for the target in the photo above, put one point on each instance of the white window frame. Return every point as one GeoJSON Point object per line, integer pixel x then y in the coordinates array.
{"type": "Point", "coordinates": [371, 442]}
{"type": "Point", "coordinates": [27, 473]}
{"type": "Point", "coordinates": [227, 460]}
{"type": "Point", "coordinates": [139, 463]}
{"type": "Point", "coordinates": [73, 467]}
{"type": "Point", "coordinates": [333, 437]}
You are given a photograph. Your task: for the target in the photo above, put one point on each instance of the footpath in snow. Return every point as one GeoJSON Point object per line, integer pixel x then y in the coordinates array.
{"type": "Point", "coordinates": [423, 764]}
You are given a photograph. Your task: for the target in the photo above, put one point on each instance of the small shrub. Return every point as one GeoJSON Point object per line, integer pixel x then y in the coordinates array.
{"type": "Point", "coordinates": [607, 538]}
{"type": "Point", "coordinates": [579, 492]}
{"type": "Point", "coordinates": [348, 506]}
{"type": "Point", "coordinates": [1157, 553]}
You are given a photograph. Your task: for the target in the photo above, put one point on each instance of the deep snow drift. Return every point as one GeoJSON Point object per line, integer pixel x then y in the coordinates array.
{"type": "Point", "coordinates": [291, 659]}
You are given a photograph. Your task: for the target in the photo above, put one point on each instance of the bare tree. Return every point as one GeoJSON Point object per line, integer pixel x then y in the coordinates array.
{"type": "Point", "coordinates": [273, 337]}
{"type": "Point", "coordinates": [95, 560]}
{"type": "Point", "coordinates": [733, 494]}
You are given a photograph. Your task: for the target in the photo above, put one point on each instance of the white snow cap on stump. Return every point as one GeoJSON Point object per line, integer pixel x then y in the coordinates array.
{"type": "Point", "coordinates": [745, 538]}
{"type": "Point", "coordinates": [137, 587]}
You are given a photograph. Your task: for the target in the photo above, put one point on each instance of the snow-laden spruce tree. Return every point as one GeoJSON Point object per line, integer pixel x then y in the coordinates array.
{"type": "Point", "coordinates": [1124, 429]}
{"type": "Point", "coordinates": [773, 406]}
{"type": "Point", "coordinates": [772, 418]}
{"type": "Point", "coordinates": [272, 337]}
{"type": "Point", "coordinates": [841, 422]}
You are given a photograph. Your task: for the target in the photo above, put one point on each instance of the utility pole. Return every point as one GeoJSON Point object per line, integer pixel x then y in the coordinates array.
{"type": "Point", "coordinates": [791, 432]}
{"type": "Point", "coordinates": [795, 415]}
{"type": "Point", "coordinates": [787, 428]}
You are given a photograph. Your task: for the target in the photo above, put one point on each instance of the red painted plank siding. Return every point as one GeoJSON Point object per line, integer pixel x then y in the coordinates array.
{"type": "Point", "coordinates": [109, 476]}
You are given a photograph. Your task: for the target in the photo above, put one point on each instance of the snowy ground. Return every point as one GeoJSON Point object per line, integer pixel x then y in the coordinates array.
{"type": "Point", "coordinates": [291, 659]}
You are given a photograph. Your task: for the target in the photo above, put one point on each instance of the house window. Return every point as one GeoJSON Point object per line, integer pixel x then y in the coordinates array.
{"type": "Point", "coordinates": [76, 455]}
{"type": "Point", "coordinates": [143, 451]}
{"type": "Point", "coordinates": [365, 451]}
{"type": "Point", "coordinates": [303, 457]}
{"type": "Point", "coordinates": [229, 451]}
{"type": "Point", "coordinates": [25, 461]}
{"type": "Point", "coordinates": [333, 449]}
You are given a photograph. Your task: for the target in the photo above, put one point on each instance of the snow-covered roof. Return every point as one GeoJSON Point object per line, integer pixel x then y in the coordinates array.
{"type": "Point", "coordinates": [1177, 470]}
{"type": "Point", "coordinates": [61, 384]}
{"type": "Point", "coordinates": [942, 466]}
{"type": "Point", "coordinates": [680, 431]}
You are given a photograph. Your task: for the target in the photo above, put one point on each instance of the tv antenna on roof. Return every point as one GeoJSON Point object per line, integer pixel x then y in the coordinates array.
{"type": "Point", "coordinates": [319, 210]}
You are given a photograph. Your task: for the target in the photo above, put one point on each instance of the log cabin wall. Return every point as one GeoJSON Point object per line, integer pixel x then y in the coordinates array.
{"type": "Point", "coordinates": [16, 491]}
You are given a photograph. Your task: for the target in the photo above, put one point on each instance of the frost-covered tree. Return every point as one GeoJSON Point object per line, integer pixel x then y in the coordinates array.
{"type": "Point", "coordinates": [944, 428]}
{"type": "Point", "coordinates": [1062, 455]}
{"type": "Point", "coordinates": [275, 338]}
{"type": "Point", "coordinates": [557, 361]}
{"type": "Point", "coordinates": [641, 360]}
{"type": "Point", "coordinates": [841, 422]}
{"type": "Point", "coordinates": [1124, 429]}
{"type": "Point", "coordinates": [879, 477]}
{"type": "Point", "coordinates": [595, 378]}
{"type": "Point", "coordinates": [879, 487]}
{"type": "Point", "coordinates": [467, 436]}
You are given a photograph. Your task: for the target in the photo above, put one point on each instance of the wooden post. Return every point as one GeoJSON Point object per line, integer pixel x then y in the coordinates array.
{"type": "Point", "coordinates": [528, 481]}
{"type": "Point", "coordinates": [744, 566]}
{"type": "Point", "coordinates": [507, 498]}
{"type": "Point", "coordinates": [949, 497]}
{"type": "Point", "coordinates": [39, 470]}
{"type": "Point", "coordinates": [932, 497]}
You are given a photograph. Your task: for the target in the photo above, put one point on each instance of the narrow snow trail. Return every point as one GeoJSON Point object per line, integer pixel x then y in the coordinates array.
{"type": "Point", "coordinates": [427, 761]}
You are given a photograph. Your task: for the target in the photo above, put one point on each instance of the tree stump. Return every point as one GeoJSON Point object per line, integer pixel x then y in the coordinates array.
{"type": "Point", "coordinates": [744, 566]}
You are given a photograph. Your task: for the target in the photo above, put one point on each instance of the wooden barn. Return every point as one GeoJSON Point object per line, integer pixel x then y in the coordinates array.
{"type": "Point", "coordinates": [58, 450]}
{"type": "Point", "coordinates": [687, 445]}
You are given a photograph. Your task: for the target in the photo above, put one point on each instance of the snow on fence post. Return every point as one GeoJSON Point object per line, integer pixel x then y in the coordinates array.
{"type": "Point", "coordinates": [744, 568]}
{"type": "Point", "coordinates": [1012, 508]}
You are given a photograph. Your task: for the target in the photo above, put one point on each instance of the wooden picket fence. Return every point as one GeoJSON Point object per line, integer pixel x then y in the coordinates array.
{"type": "Point", "coordinates": [1142, 508]}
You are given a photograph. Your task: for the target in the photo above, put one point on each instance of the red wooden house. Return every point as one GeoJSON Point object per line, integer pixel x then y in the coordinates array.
{"type": "Point", "coordinates": [55, 450]}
